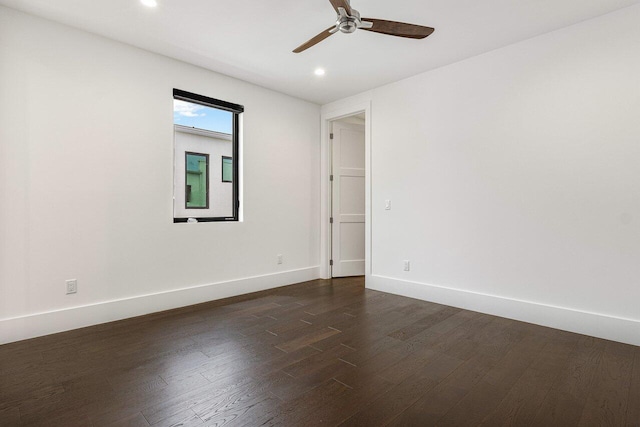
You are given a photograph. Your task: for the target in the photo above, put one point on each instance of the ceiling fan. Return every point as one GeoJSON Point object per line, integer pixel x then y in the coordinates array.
{"type": "Point", "coordinates": [349, 20]}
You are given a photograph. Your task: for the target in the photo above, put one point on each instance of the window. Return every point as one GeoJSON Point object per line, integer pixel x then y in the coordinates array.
{"type": "Point", "coordinates": [197, 181]}
{"type": "Point", "coordinates": [206, 158]}
{"type": "Point", "coordinates": [227, 169]}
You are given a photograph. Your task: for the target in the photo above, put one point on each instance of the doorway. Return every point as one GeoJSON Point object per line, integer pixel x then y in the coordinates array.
{"type": "Point", "coordinates": [347, 187]}
{"type": "Point", "coordinates": [329, 115]}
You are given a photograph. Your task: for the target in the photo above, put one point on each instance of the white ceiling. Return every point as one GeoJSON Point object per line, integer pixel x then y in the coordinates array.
{"type": "Point", "coordinates": [252, 39]}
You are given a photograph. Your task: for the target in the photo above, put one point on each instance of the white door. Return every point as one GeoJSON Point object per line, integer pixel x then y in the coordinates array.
{"type": "Point", "coordinates": [348, 191]}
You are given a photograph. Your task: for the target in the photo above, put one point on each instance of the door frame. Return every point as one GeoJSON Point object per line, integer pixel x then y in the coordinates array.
{"type": "Point", "coordinates": [325, 185]}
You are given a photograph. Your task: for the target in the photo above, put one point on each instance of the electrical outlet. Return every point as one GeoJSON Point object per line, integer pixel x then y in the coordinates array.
{"type": "Point", "coordinates": [407, 265]}
{"type": "Point", "coordinates": [72, 286]}
{"type": "Point", "coordinates": [279, 258]}
{"type": "Point", "coordinates": [387, 205]}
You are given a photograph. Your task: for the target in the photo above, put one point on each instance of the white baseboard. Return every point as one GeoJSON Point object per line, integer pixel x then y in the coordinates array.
{"type": "Point", "coordinates": [582, 322]}
{"type": "Point", "coordinates": [38, 324]}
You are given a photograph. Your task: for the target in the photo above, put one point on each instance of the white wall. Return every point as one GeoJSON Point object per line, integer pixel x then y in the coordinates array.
{"type": "Point", "coordinates": [515, 180]}
{"type": "Point", "coordinates": [76, 105]}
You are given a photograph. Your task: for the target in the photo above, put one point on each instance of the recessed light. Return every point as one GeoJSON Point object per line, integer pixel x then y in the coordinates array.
{"type": "Point", "coordinates": [149, 3]}
{"type": "Point", "coordinates": [319, 72]}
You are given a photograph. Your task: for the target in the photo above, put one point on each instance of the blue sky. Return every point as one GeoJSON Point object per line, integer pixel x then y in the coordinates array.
{"type": "Point", "coordinates": [199, 116]}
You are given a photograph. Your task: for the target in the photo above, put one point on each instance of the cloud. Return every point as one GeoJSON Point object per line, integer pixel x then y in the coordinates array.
{"type": "Point", "coordinates": [187, 109]}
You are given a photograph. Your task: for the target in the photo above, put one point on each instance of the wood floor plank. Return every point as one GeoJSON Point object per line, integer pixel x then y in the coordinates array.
{"type": "Point", "coordinates": [308, 339]}
{"type": "Point", "coordinates": [491, 389]}
{"type": "Point", "coordinates": [408, 388]}
{"type": "Point", "coordinates": [361, 389]}
{"type": "Point", "coordinates": [136, 420]}
{"type": "Point", "coordinates": [607, 402]}
{"type": "Point", "coordinates": [233, 406]}
{"type": "Point", "coordinates": [565, 402]}
{"type": "Point", "coordinates": [633, 408]}
{"type": "Point", "coordinates": [316, 361]}
{"type": "Point", "coordinates": [301, 410]}
{"type": "Point", "coordinates": [426, 322]}
{"type": "Point", "coordinates": [186, 418]}
{"type": "Point", "coordinates": [432, 406]}
{"type": "Point", "coordinates": [285, 360]}
{"type": "Point", "coordinates": [524, 399]}
{"type": "Point", "coordinates": [61, 417]}
{"type": "Point", "coordinates": [171, 405]}
{"type": "Point", "coordinates": [10, 416]}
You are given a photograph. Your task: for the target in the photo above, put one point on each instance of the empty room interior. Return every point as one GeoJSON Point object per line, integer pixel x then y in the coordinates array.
{"type": "Point", "coordinates": [257, 213]}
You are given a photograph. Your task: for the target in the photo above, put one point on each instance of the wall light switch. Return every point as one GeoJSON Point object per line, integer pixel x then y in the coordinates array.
{"type": "Point", "coordinates": [387, 205]}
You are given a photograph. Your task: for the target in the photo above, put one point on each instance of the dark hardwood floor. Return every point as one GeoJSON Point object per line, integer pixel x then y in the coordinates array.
{"type": "Point", "coordinates": [326, 352]}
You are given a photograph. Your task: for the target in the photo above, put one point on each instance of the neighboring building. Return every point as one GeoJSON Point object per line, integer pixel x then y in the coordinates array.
{"type": "Point", "coordinates": [202, 162]}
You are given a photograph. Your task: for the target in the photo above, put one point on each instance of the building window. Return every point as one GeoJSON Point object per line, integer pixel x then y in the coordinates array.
{"type": "Point", "coordinates": [206, 137]}
{"type": "Point", "coordinates": [227, 169]}
{"type": "Point", "coordinates": [197, 181]}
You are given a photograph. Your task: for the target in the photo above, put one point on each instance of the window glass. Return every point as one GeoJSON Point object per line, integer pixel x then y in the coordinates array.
{"type": "Point", "coordinates": [197, 180]}
{"type": "Point", "coordinates": [200, 116]}
{"type": "Point", "coordinates": [227, 169]}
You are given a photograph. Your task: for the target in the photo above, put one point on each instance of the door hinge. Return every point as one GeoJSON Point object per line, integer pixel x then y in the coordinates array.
{"type": "Point", "coordinates": [331, 135]}
{"type": "Point", "coordinates": [330, 262]}
{"type": "Point", "coordinates": [330, 177]}
{"type": "Point", "coordinates": [331, 220]}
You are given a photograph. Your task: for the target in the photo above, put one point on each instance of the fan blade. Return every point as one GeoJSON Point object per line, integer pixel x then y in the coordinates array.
{"type": "Point", "coordinates": [399, 29]}
{"type": "Point", "coordinates": [317, 39]}
{"type": "Point", "coordinates": [343, 4]}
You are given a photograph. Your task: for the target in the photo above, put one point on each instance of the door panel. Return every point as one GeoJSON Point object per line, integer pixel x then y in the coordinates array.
{"type": "Point", "coordinates": [348, 200]}
{"type": "Point", "coordinates": [352, 245]}
{"type": "Point", "coordinates": [352, 193]}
